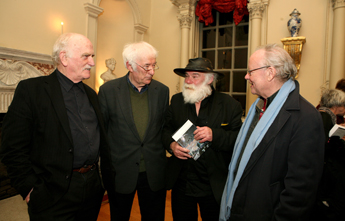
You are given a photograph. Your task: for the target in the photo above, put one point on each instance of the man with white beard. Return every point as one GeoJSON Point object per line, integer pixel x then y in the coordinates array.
{"type": "Point", "coordinates": [217, 117]}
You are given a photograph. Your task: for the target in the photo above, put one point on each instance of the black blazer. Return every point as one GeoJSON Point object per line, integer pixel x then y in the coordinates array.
{"type": "Point", "coordinates": [124, 141]}
{"type": "Point", "coordinates": [225, 122]}
{"type": "Point", "coordinates": [37, 145]}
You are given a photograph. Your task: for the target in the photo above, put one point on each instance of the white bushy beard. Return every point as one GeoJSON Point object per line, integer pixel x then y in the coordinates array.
{"type": "Point", "coordinates": [193, 94]}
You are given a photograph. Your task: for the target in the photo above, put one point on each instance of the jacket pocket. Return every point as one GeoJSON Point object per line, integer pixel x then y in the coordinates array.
{"type": "Point", "coordinates": [275, 189]}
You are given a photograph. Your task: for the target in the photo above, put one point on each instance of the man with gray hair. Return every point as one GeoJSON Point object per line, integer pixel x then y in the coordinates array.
{"type": "Point", "coordinates": [278, 155]}
{"type": "Point", "coordinates": [133, 107]}
{"type": "Point", "coordinates": [53, 135]}
{"type": "Point", "coordinates": [217, 117]}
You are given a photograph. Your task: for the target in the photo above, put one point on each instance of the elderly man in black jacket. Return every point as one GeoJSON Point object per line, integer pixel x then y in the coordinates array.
{"type": "Point", "coordinates": [53, 135]}
{"type": "Point", "coordinates": [278, 156]}
{"type": "Point", "coordinates": [218, 119]}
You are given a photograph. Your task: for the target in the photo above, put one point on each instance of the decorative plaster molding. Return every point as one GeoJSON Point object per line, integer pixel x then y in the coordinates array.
{"type": "Point", "coordinates": [6, 97]}
{"type": "Point", "coordinates": [92, 10]}
{"type": "Point", "coordinates": [139, 31]}
{"type": "Point", "coordinates": [17, 65]}
{"type": "Point", "coordinates": [96, 2]}
{"type": "Point", "coordinates": [185, 20]}
{"type": "Point", "coordinates": [136, 11]}
{"type": "Point", "coordinates": [338, 4]}
{"type": "Point", "coordinates": [140, 28]}
{"type": "Point", "coordinates": [186, 8]}
{"type": "Point", "coordinates": [15, 54]}
{"type": "Point", "coordinates": [256, 9]}
{"type": "Point", "coordinates": [11, 72]}
{"type": "Point", "coordinates": [177, 3]}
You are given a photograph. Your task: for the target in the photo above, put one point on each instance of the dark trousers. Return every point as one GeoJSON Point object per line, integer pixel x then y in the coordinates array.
{"type": "Point", "coordinates": [81, 202]}
{"type": "Point", "coordinates": [185, 208]}
{"type": "Point", "coordinates": [151, 203]}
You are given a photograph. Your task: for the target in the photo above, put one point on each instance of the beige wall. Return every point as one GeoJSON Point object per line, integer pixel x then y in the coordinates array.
{"type": "Point", "coordinates": [165, 36]}
{"type": "Point", "coordinates": [116, 28]}
{"type": "Point", "coordinates": [314, 24]}
{"type": "Point", "coordinates": [34, 26]}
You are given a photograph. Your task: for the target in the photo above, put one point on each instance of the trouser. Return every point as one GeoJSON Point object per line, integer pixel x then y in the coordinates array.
{"type": "Point", "coordinates": [185, 208]}
{"type": "Point", "coordinates": [81, 202]}
{"type": "Point", "coordinates": [151, 203]}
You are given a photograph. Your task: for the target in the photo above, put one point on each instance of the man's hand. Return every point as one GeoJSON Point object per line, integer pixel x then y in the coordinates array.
{"type": "Point", "coordinates": [179, 152]}
{"type": "Point", "coordinates": [27, 198]}
{"type": "Point", "coordinates": [203, 134]}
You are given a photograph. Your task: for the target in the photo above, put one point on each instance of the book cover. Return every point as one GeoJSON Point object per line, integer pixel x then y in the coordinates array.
{"type": "Point", "coordinates": [185, 138]}
{"type": "Point", "coordinates": [337, 130]}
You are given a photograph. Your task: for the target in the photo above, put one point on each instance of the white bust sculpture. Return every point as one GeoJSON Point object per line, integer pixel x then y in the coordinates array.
{"type": "Point", "coordinates": [109, 75]}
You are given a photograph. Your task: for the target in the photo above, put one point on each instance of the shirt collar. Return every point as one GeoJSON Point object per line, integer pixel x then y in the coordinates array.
{"type": "Point", "coordinates": [66, 83]}
{"type": "Point", "coordinates": [269, 100]}
{"type": "Point", "coordinates": [143, 89]}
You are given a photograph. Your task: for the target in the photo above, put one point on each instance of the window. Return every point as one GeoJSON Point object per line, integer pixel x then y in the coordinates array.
{"type": "Point", "coordinates": [226, 45]}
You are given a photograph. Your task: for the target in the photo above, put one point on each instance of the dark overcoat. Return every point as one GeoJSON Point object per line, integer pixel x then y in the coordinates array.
{"type": "Point", "coordinates": [282, 175]}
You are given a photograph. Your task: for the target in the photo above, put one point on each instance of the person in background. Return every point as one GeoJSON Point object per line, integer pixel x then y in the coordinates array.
{"type": "Point", "coordinates": [53, 135]}
{"type": "Point", "coordinates": [133, 108]}
{"type": "Point", "coordinates": [340, 86]}
{"type": "Point", "coordinates": [218, 120]}
{"type": "Point", "coordinates": [330, 203]}
{"type": "Point", "coordinates": [278, 156]}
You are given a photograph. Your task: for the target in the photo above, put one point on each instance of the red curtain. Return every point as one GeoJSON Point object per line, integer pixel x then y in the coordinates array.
{"type": "Point", "coordinates": [204, 9]}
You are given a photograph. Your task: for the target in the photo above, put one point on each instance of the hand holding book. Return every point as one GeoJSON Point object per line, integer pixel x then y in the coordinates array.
{"type": "Point", "coordinates": [186, 138]}
{"type": "Point", "coordinates": [203, 134]}
{"type": "Point", "coordinates": [179, 152]}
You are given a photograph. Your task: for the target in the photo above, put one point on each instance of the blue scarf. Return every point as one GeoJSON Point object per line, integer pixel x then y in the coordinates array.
{"type": "Point", "coordinates": [258, 133]}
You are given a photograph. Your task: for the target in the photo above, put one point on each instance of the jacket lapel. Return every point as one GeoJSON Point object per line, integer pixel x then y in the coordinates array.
{"type": "Point", "coordinates": [94, 102]}
{"type": "Point", "coordinates": [291, 103]}
{"type": "Point", "coordinates": [53, 88]}
{"type": "Point", "coordinates": [266, 141]}
{"type": "Point", "coordinates": [124, 99]}
{"type": "Point", "coordinates": [215, 109]}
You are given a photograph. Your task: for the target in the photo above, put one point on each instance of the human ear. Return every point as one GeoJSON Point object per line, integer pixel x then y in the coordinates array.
{"type": "Point", "coordinates": [129, 66]}
{"type": "Point", "coordinates": [63, 58]}
{"type": "Point", "coordinates": [271, 73]}
{"type": "Point", "coordinates": [211, 79]}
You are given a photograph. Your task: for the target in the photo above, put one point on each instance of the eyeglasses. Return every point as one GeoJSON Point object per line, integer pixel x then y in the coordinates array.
{"type": "Point", "coordinates": [250, 71]}
{"type": "Point", "coordinates": [147, 68]}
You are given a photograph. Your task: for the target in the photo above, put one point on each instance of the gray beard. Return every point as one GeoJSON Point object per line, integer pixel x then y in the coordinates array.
{"type": "Point", "coordinates": [192, 94]}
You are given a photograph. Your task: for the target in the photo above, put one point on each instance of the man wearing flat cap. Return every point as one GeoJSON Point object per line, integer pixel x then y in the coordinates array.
{"type": "Point", "coordinates": [217, 117]}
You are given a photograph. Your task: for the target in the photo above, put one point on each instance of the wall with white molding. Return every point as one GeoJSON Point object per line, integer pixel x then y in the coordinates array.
{"type": "Point", "coordinates": [34, 26]}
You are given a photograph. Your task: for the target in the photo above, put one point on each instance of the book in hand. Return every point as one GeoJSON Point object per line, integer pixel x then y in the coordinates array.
{"type": "Point", "coordinates": [337, 130]}
{"type": "Point", "coordinates": [185, 138]}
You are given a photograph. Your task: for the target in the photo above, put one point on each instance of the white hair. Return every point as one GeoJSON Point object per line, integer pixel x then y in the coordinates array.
{"type": "Point", "coordinates": [134, 51]}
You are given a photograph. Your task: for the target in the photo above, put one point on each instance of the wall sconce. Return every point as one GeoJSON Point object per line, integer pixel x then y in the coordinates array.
{"type": "Point", "coordinates": [294, 46]}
